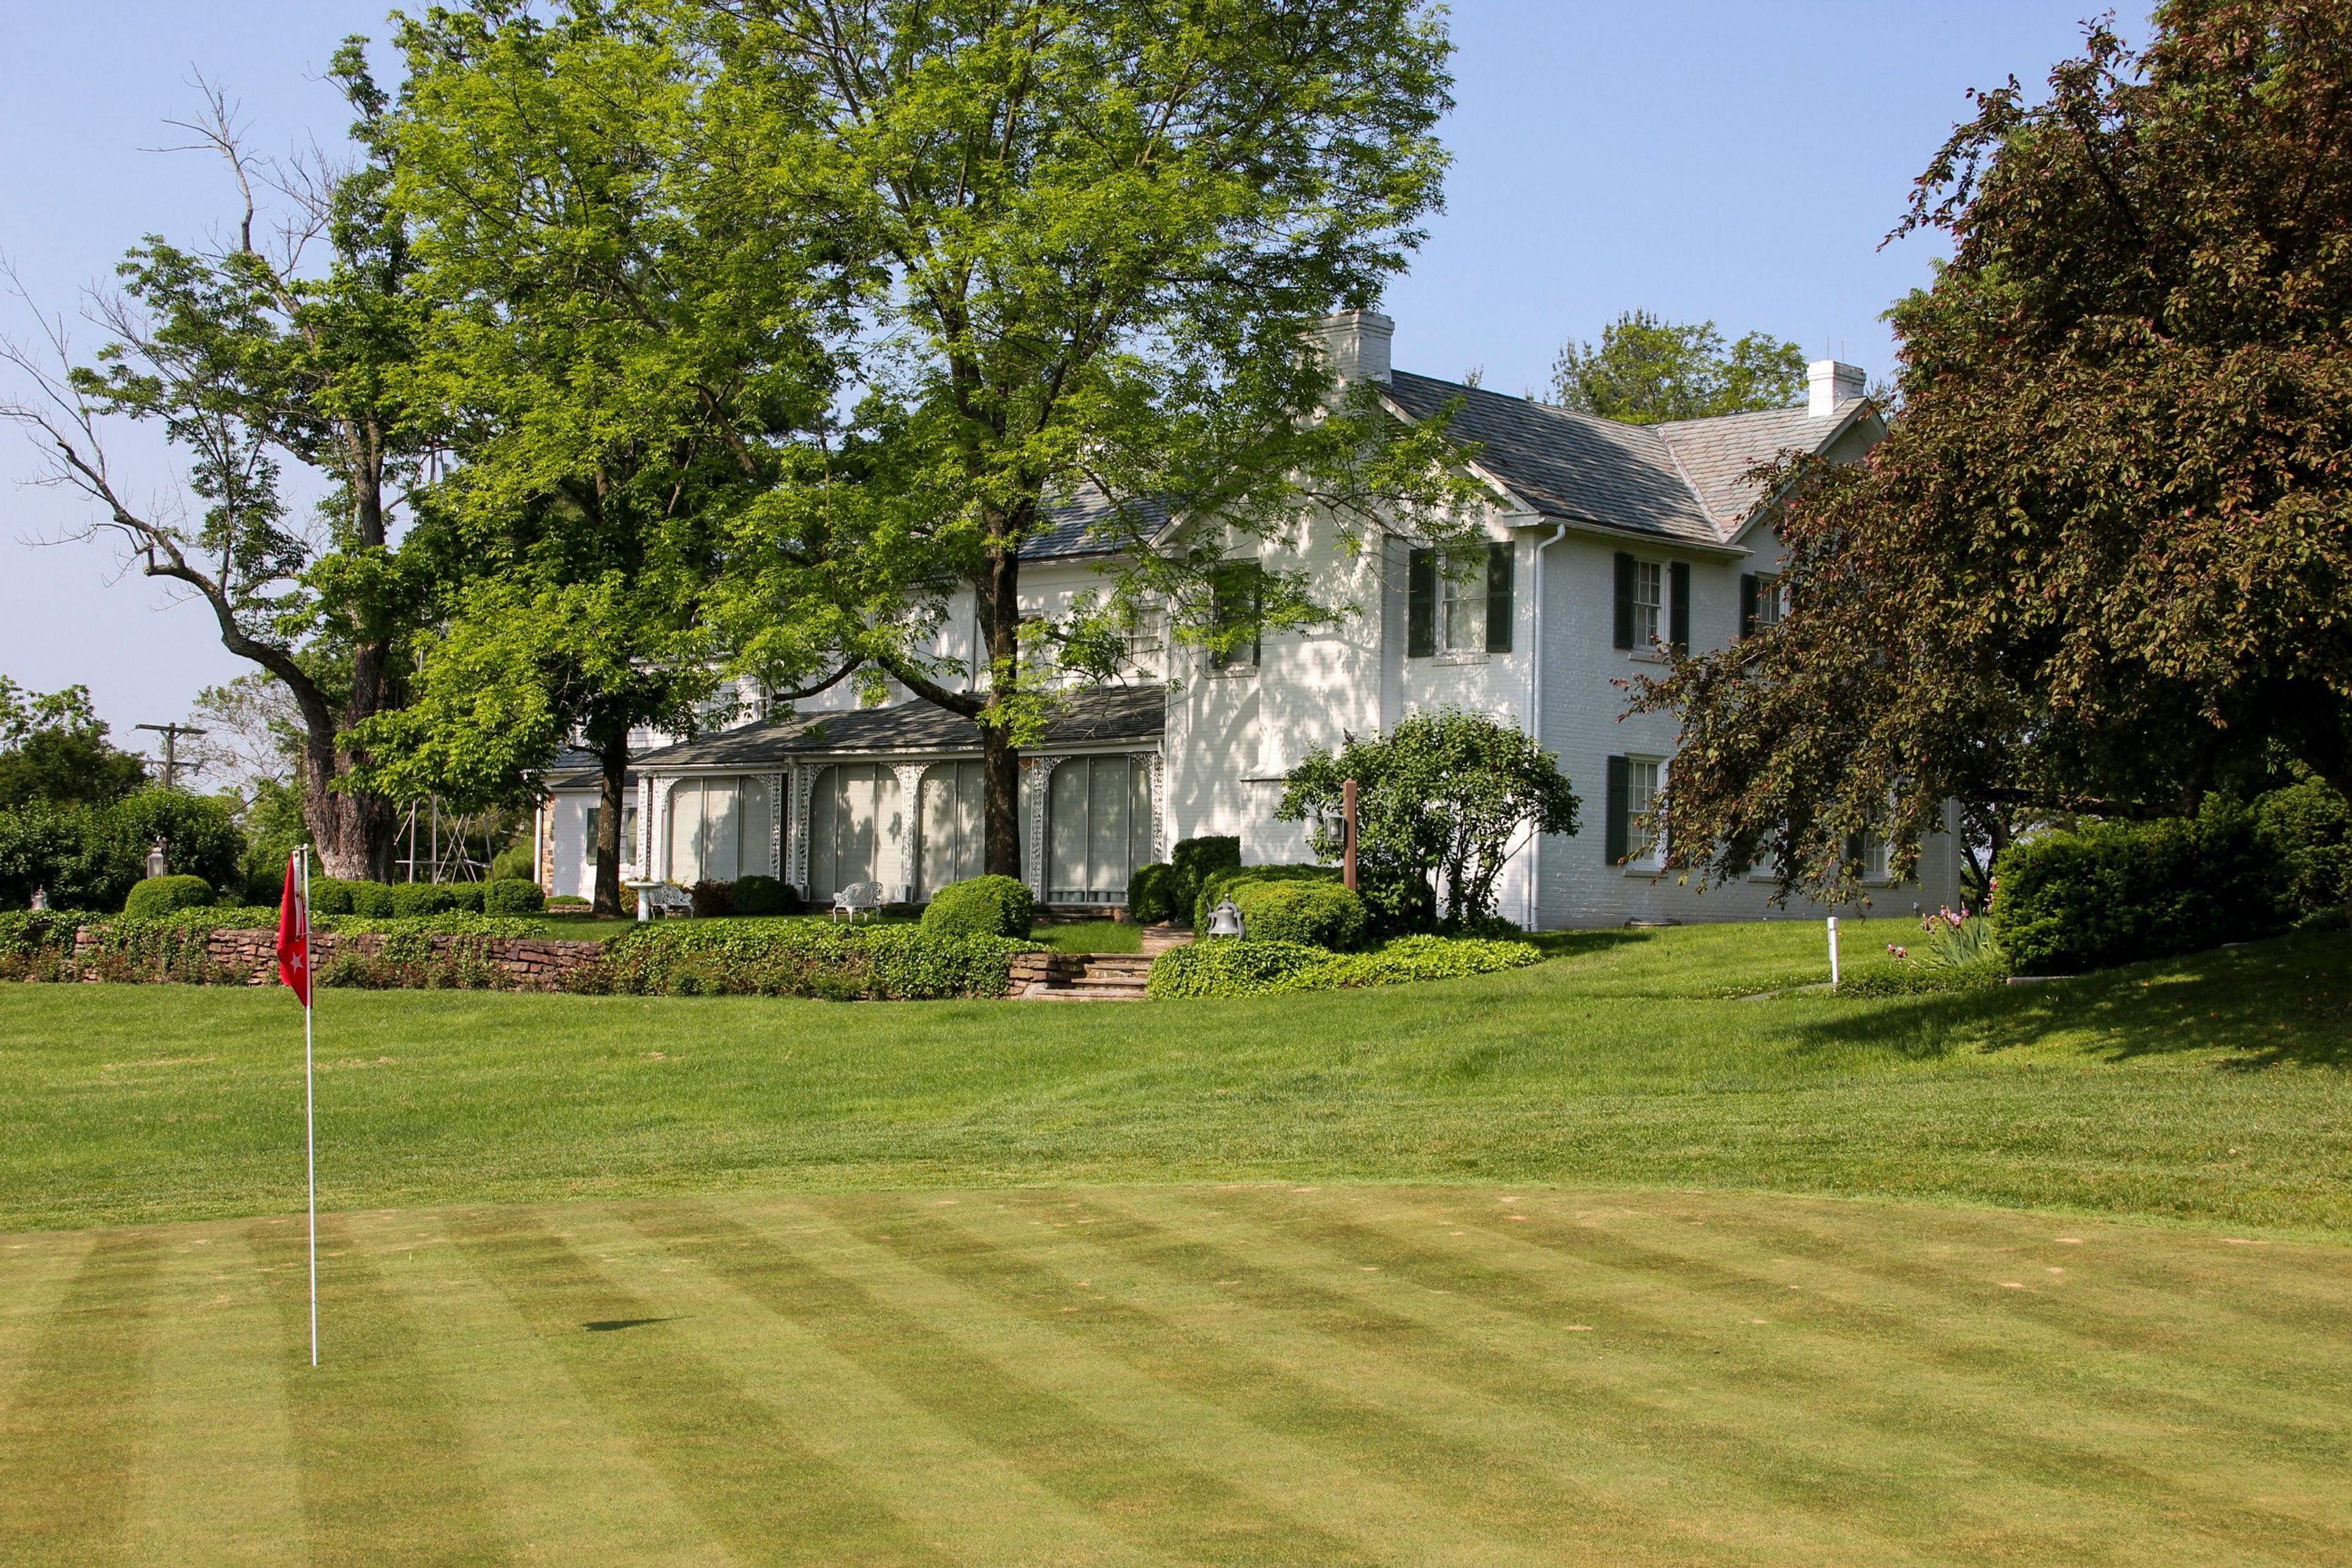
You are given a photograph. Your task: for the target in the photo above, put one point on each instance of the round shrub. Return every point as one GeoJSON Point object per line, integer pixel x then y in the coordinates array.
{"type": "Point", "coordinates": [2308, 826]}
{"type": "Point", "coordinates": [156, 897]}
{"type": "Point", "coordinates": [410, 900]}
{"type": "Point", "coordinates": [470, 897]}
{"type": "Point", "coordinates": [1224, 884]}
{"type": "Point", "coordinates": [1151, 894]}
{"type": "Point", "coordinates": [1321, 914]}
{"type": "Point", "coordinates": [513, 896]}
{"type": "Point", "coordinates": [712, 901]}
{"type": "Point", "coordinates": [765, 896]}
{"type": "Point", "coordinates": [330, 896]}
{"type": "Point", "coordinates": [985, 906]}
{"type": "Point", "coordinates": [1194, 861]}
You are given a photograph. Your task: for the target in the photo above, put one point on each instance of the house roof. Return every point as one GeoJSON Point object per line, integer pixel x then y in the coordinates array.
{"type": "Point", "coordinates": [1089, 523]}
{"type": "Point", "coordinates": [1093, 715]}
{"type": "Point", "coordinates": [1683, 481]}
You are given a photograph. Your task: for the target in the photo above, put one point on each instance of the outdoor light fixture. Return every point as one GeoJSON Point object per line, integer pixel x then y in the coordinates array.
{"type": "Point", "coordinates": [1226, 919]}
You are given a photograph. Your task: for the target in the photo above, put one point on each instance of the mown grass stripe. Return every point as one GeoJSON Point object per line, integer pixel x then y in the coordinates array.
{"type": "Point", "coordinates": [562, 1474]}
{"type": "Point", "coordinates": [35, 1271]}
{"type": "Point", "coordinates": [731, 1457]}
{"type": "Point", "coordinates": [1479, 1434]}
{"type": "Point", "coordinates": [1158, 1496]}
{"type": "Point", "coordinates": [75, 1426]}
{"type": "Point", "coordinates": [385, 1474]}
{"type": "Point", "coordinates": [2070, 1475]}
{"type": "Point", "coordinates": [218, 1482]}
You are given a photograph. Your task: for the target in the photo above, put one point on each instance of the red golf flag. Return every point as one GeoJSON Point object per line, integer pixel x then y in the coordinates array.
{"type": "Point", "coordinates": [294, 936]}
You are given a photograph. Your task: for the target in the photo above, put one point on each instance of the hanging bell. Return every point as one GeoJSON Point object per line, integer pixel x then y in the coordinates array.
{"type": "Point", "coordinates": [1226, 919]}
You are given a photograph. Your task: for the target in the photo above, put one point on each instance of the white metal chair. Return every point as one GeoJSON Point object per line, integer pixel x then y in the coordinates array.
{"type": "Point", "coordinates": [857, 897]}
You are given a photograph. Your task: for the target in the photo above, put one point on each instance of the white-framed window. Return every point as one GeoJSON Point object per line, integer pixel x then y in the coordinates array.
{"type": "Point", "coordinates": [596, 820]}
{"type": "Point", "coordinates": [1462, 604]}
{"type": "Point", "coordinates": [1649, 602]}
{"type": "Point", "coordinates": [1877, 865]}
{"type": "Point", "coordinates": [1768, 600]}
{"type": "Point", "coordinates": [1645, 777]}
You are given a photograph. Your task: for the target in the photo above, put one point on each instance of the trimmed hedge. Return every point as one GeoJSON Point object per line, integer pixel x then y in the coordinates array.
{"type": "Point", "coordinates": [156, 897]}
{"type": "Point", "coordinates": [513, 896]}
{"type": "Point", "coordinates": [803, 958]}
{"type": "Point", "coordinates": [1194, 861]}
{"type": "Point", "coordinates": [411, 900]}
{"type": "Point", "coordinates": [1221, 884]}
{"type": "Point", "coordinates": [766, 896]}
{"type": "Point", "coordinates": [1151, 894]}
{"type": "Point", "coordinates": [342, 896]}
{"type": "Point", "coordinates": [1319, 913]}
{"type": "Point", "coordinates": [2123, 891]}
{"type": "Point", "coordinates": [2308, 826]}
{"type": "Point", "coordinates": [985, 906]}
{"type": "Point", "coordinates": [1252, 968]}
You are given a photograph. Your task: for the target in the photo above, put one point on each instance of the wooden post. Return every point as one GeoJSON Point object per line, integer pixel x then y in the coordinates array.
{"type": "Point", "coordinates": [1348, 829]}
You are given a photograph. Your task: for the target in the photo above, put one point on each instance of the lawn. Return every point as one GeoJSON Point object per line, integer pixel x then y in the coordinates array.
{"type": "Point", "coordinates": [1560, 1265]}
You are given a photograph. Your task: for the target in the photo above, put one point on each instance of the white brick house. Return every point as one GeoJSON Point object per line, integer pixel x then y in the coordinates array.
{"type": "Point", "coordinates": [1605, 540]}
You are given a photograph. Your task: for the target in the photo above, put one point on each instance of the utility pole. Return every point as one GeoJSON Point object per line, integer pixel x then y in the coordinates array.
{"type": "Point", "coordinates": [171, 734]}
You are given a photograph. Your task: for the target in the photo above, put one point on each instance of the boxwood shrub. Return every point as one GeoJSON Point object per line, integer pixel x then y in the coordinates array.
{"type": "Point", "coordinates": [513, 896]}
{"type": "Point", "coordinates": [158, 896]}
{"type": "Point", "coordinates": [985, 906]}
{"type": "Point", "coordinates": [1319, 913]}
{"type": "Point", "coordinates": [1151, 894]}
{"type": "Point", "coordinates": [2122, 891]}
{"type": "Point", "coordinates": [2308, 828]}
{"type": "Point", "coordinates": [1225, 966]}
{"type": "Point", "coordinates": [1194, 861]}
{"type": "Point", "coordinates": [765, 896]}
{"type": "Point", "coordinates": [410, 900]}
{"type": "Point", "coordinates": [340, 896]}
{"type": "Point", "coordinates": [1224, 883]}
{"type": "Point", "coordinates": [803, 958]}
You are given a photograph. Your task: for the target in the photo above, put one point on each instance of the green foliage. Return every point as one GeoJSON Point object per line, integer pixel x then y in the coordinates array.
{"type": "Point", "coordinates": [757, 895]}
{"type": "Point", "coordinates": [712, 899]}
{"type": "Point", "coordinates": [567, 901]}
{"type": "Point", "coordinates": [1194, 861]}
{"type": "Point", "coordinates": [1250, 967]}
{"type": "Point", "coordinates": [804, 958]}
{"type": "Point", "coordinates": [410, 900]}
{"type": "Point", "coordinates": [512, 896]}
{"type": "Point", "coordinates": [153, 897]}
{"type": "Point", "coordinates": [53, 748]}
{"type": "Point", "coordinates": [1151, 894]}
{"type": "Point", "coordinates": [452, 922]}
{"type": "Point", "coordinates": [2122, 891]}
{"type": "Point", "coordinates": [1442, 800]}
{"type": "Point", "coordinates": [339, 896]}
{"type": "Point", "coordinates": [1648, 371]}
{"type": "Point", "coordinates": [89, 856]}
{"type": "Point", "coordinates": [2308, 825]}
{"type": "Point", "coordinates": [1219, 884]}
{"type": "Point", "coordinates": [983, 905]}
{"type": "Point", "coordinates": [1320, 913]}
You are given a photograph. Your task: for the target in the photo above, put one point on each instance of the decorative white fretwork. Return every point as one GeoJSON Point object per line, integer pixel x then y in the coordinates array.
{"type": "Point", "coordinates": [659, 842]}
{"type": "Point", "coordinates": [796, 825]}
{"type": "Point", "coordinates": [641, 856]}
{"type": "Point", "coordinates": [775, 820]}
{"type": "Point", "coordinates": [910, 812]}
{"type": "Point", "coordinates": [1040, 789]}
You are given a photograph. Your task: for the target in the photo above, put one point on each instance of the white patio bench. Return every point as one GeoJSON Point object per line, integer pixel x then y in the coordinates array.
{"type": "Point", "coordinates": [856, 897]}
{"type": "Point", "coordinates": [661, 898]}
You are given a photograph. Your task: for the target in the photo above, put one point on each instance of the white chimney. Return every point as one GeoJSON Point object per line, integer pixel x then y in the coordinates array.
{"type": "Point", "coordinates": [1356, 344]}
{"type": "Point", "coordinates": [1833, 383]}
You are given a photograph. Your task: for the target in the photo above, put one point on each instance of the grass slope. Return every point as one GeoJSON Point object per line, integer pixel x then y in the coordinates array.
{"type": "Point", "coordinates": [2210, 1089]}
{"type": "Point", "coordinates": [1245, 1374]}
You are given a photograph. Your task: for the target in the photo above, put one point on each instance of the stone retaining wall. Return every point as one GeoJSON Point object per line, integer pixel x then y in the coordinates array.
{"type": "Point", "coordinates": [527, 962]}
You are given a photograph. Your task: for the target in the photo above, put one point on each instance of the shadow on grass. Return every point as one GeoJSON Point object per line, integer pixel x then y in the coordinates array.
{"type": "Point", "coordinates": [2284, 1003]}
{"type": "Point", "coordinates": [1584, 943]}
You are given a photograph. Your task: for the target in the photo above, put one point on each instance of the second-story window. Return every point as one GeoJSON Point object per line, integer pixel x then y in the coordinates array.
{"type": "Point", "coordinates": [1649, 599]}
{"type": "Point", "coordinates": [1465, 608]}
{"type": "Point", "coordinates": [1654, 600]}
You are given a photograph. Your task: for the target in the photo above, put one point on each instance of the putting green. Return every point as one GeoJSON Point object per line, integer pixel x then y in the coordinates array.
{"type": "Point", "coordinates": [1249, 1374]}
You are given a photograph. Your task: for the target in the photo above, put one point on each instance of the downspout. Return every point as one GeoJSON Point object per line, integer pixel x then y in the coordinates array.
{"type": "Point", "coordinates": [1535, 707]}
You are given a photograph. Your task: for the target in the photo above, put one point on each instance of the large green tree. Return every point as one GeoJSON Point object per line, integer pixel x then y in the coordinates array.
{"type": "Point", "coordinates": [1098, 231]}
{"type": "Point", "coordinates": [53, 748]}
{"type": "Point", "coordinates": [1648, 371]}
{"type": "Point", "coordinates": [267, 351]}
{"type": "Point", "coordinates": [2103, 560]}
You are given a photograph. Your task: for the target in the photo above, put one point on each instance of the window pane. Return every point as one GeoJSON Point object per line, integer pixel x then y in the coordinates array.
{"type": "Point", "coordinates": [1641, 789]}
{"type": "Point", "coordinates": [935, 804]}
{"type": "Point", "coordinates": [854, 849]}
{"type": "Point", "coordinates": [1107, 864]}
{"type": "Point", "coordinates": [972, 816]}
{"type": "Point", "coordinates": [1066, 875]}
{"type": "Point", "coordinates": [720, 829]}
{"type": "Point", "coordinates": [758, 832]}
{"type": "Point", "coordinates": [686, 831]}
{"type": "Point", "coordinates": [1648, 577]}
{"type": "Point", "coordinates": [1461, 624]}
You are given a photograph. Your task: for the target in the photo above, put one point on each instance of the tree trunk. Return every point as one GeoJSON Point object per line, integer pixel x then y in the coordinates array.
{"type": "Point", "coordinates": [611, 798]}
{"type": "Point", "coordinates": [1000, 765]}
{"type": "Point", "coordinates": [999, 599]}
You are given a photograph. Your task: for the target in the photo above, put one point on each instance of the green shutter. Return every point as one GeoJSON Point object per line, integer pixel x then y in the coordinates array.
{"type": "Point", "coordinates": [1624, 600]}
{"type": "Point", "coordinates": [1620, 792]}
{"type": "Point", "coordinates": [1747, 603]}
{"type": "Point", "coordinates": [1678, 594]}
{"type": "Point", "coordinates": [1500, 564]}
{"type": "Point", "coordinates": [1421, 604]}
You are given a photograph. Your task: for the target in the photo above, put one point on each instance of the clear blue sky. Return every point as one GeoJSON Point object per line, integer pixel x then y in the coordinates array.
{"type": "Point", "coordinates": [1737, 161]}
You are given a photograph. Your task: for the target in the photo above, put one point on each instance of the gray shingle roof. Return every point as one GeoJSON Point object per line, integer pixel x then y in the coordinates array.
{"type": "Point", "coordinates": [1096, 714]}
{"type": "Point", "coordinates": [1673, 481]}
{"type": "Point", "coordinates": [1088, 524]}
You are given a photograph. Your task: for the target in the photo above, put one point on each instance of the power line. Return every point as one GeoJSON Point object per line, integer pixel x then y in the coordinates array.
{"type": "Point", "coordinates": [172, 733]}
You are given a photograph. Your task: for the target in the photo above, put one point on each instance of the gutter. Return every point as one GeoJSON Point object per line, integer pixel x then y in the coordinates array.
{"type": "Point", "coordinates": [1535, 706]}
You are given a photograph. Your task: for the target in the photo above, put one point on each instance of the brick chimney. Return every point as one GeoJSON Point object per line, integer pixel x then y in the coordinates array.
{"type": "Point", "coordinates": [1356, 344]}
{"type": "Point", "coordinates": [1833, 383]}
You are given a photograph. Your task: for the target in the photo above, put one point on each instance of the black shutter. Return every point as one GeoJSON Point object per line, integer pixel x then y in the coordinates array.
{"type": "Point", "coordinates": [1621, 791]}
{"type": "Point", "coordinates": [1747, 603]}
{"type": "Point", "coordinates": [1421, 604]}
{"type": "Point", "coordinates": [1678, 577]}
{"type": "Point", "coordinates": [1499, 566]}
{"type": "Point", "coordinates": [1257, 621]}
{"type": "Point", "coordinates": [1624, 600]}
{"type": "Point", "coordinates": [1853, 853]}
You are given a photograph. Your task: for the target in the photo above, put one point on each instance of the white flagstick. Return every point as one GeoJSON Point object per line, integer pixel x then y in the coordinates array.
{"type": "Point", "coordinates": [310, 1102]}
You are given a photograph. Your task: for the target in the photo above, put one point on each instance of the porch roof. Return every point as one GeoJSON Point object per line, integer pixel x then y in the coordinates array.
{"type": "Point", "coordinates": [1094, 715]}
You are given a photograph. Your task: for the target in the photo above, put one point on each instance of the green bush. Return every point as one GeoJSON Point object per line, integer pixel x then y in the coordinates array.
{"type": "Point", "coordinates": [340, 896]}
{"type": "Point", "coordinates": [712, 901]}
{"type": "Point", "coordinates": [567, 901]}
{"type": "Point", "coordinates": [1319, 913]}
{"type": "Point", "coordinates": [1194, 861]}
{"type": "Point", "coordinates": [410, 900]}
{"type": "Point", "coordinates": [765, 896]}
{"type": "Point", "coordinates": [803, 958]}
{"type": "Point", "coordinates": [2308, 828]}
{"type": "Point", "coordinates": [2123, 891]}
{"type": "Point", "coordinates": [450, 922]}
{"type": "Point", "coordinates": [469, 896]}
{"type": "Point", "coordinates": [88, 857]}
{"type": "Point", "coordinates": [513, 896]}
{"type": "Point", "coordinates": [1254, 968]}
{"type": "Point", "coordinates": [985, 906]}
{"type": "Point", "coordinates": [154, 896]}
{"type": "Point", "coordinates": [1221, 884]}
{"type": "Point", "coordinates": [1151, 894]}
{"type": "Point", "coordinates": [1227, 967]}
